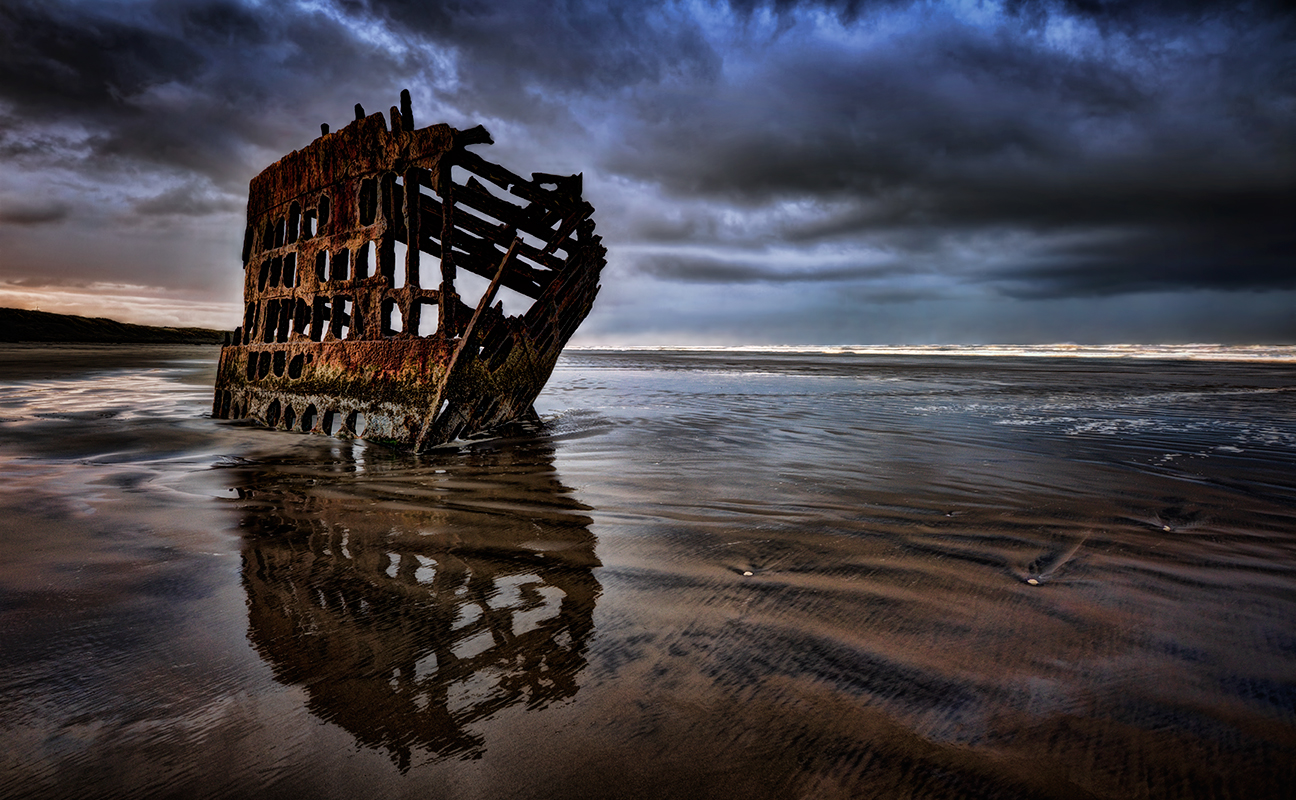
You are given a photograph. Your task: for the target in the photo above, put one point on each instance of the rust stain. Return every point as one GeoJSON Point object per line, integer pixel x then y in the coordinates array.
{"type": "Point", "coordinates": [353, 256]}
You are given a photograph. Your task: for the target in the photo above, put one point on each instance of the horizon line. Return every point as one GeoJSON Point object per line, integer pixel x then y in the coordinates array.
{"type": "Point", "coordinates": [1196, 351]}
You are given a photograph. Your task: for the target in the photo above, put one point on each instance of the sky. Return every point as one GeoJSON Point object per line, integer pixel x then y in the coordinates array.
{"type": "Point", "coordinates": [783, 172]}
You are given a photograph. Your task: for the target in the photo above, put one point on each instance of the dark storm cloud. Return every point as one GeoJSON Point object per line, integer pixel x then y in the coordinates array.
{"type": "Point", "coordinates": [192, 199]}
{"type": "Point", "coordinates": [972, 120]}
{"type": "Point", "coordinates": [567, 46]}
{"type": "Point", "coordinates": [33, 214]}
{"type": "Point", "coordinates": [66, 58]}
{"type": "Point", "coordinates": [192, 84]}
{"type": "Point", "coordinates": [712, 269]}
{"type": "Point", "coordinates": [1178, 134]}
{"type": "Point", "coordinates": [1252, 258]}
{"type": "Point", "coordinates": [188, 86]}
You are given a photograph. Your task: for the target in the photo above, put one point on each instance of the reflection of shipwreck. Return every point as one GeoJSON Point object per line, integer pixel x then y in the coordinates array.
{"type": "Point", "coordinates": [410, 615]}
{"type": "Point", "coordinates": [339, 334]}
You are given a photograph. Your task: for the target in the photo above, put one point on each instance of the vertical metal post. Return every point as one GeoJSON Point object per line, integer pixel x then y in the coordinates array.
{"type": "Point", "coordinates": [413, 235]}
{"type": "Point", "coordinates": [412, 232]}
{"type": "Point", "coordinates": [449, 299]}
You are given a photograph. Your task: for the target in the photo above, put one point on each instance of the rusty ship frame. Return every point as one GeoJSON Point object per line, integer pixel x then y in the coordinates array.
{"type": "Point", "coordinates": [341, 335]}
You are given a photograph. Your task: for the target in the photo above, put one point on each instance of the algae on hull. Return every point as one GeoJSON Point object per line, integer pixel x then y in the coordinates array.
{"type": "Point", "coordinates": [339, 333]}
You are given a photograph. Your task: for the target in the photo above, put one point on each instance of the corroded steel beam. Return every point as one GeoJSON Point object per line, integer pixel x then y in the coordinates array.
{"type": "Point", "coordinates": [353, 320]}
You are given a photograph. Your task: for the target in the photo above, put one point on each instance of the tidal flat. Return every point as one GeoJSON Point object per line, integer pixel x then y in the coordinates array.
{"type": "Point", "coordinates": [706, 573]}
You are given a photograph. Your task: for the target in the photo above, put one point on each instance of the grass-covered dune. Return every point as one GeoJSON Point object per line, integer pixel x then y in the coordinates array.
{"type": "Point", "coordinates": [18, 325]}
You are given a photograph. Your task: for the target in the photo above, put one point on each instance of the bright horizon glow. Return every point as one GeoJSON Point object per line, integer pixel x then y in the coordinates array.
{"type": "Point", "coordinates": [1189, 352]}
{"type": "Point", "coordinates": [136, 305]}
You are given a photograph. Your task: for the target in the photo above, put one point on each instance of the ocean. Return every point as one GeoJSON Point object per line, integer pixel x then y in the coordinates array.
{"type": "Point", "coordinates": [714, 572]}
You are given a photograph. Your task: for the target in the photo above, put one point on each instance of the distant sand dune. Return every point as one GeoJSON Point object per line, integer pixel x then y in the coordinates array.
{"type": "Point", "coordinates": [18, 325]}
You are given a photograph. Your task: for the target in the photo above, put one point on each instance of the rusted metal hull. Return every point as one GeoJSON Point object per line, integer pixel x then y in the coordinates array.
{"type": "Point", "coordinates": [341, 332]}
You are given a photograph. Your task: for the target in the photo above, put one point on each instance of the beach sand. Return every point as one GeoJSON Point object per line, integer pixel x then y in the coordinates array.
{"type": "Point", "coordinates": [707, 574]}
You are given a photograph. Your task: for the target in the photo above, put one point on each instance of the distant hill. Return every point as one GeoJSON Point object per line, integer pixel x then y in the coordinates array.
{"type": "Point", "coordinates": [18, 325]}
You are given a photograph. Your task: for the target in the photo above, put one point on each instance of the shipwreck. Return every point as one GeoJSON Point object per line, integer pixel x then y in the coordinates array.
{"type": "Point", "coordinates": [358, 317]}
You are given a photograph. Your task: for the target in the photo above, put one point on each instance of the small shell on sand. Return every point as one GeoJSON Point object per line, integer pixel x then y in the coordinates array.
{"type": "Point", "coordinates": [1032, 582]}
{"type": "Point", "coordinates": [747, 573]}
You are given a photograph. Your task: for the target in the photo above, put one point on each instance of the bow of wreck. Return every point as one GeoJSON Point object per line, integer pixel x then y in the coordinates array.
{"type": "Point", "coordinates": [358, 320]}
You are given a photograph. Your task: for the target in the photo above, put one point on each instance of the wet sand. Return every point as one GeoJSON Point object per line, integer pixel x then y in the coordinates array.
{"type": "Point", "coordinates": [705, 575]}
